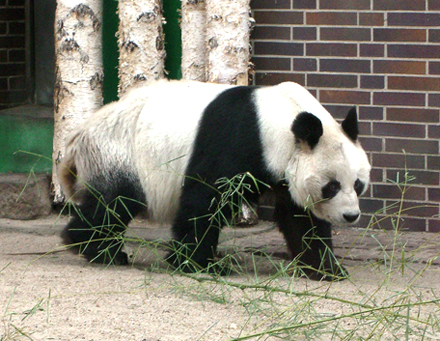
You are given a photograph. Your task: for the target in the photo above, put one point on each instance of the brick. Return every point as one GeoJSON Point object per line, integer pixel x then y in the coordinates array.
{"type": "Point", "coordinates": [279, 48]}
{"type": "Point", "coordinates": [433, 5]}
{"type": "Point", "coordinates": [268, 78]}
{"type": "Point", "coordinates": [17, 28]}
{"type": "Point", "coordinates": [304, 33]}
{"type": "Point", "coordinates": [12, 70]}
{"type": "Point", "coordinates": [399, 129]}
{"type": "Point", "coordinates": [391, 191]}
{"type": "Point", "coordinates": [3, 28]}
{"type": "Point", "coordinates": [372, 144]}
{"type": "Point", "coordinates": [377, 175]}
{"type": "Point", "coordinates": [3, 56]}
{"type": "Point", "coordinates": [3, 84]}
{"type": "Point", "coordinates": [433, 225]}
{"type": "Point", "coordinates": [368, 205]}
{"type": "Point", "coordinates": [413, 115]}
{"type": "Point", "coordinates": [434, 100]}
{"type": "Point", "coordinates": [399, 66]}
{"type": "Point", "coordinates": [345, 34]}
{"type": "Point", "coordinates": [434, 132]}
{"type": "Point", "coordinates": [331, 81]}
{"type": "Point", "coordinates": [278, 17]}
{"type": "Point", "coordinates": [12, 14]}
{"type": "Point", "coordinates": [343, 96]}
{"type": "Point", "coordinates": [412, 146]}
{"type": "Point", "coordinates": [339, 112]}
{"type": "Point", "coordinates": [393, 160]}
{"type": "Point", "coordinates": [413, 19]}
{"type": "Point", "coordinates": [420, 177]}
{"type": "Point", "coordinates": [17, 56]}
{"type": "Point", "coordinates": [372, 82]}
{"type": "Point", "coordinates": [404, 224]}
{"type": "Point", "coordinates": [271, 32]}
{"type": "Point", "coordinates": [270, 4]}
{"type": "Point", "coordinates": [414, 83]}
{"type": "Point", "coordinates": [331, 49]}
{"type": "Point", "coordinates": [17, 83]}
{"type": "Point", "coordinates": [344, 4]}
{"type": "Point", "coordinates": [434, 68]}
{"type": "Point", "coordinates": [12, 41]}
{"type": "Point", "coordinates": [365, 128]}
{"type": "Point", "coordinates": [434, 162]}
{"type": "Point", "coordinates": [372, 50]}
{"type": "Point", "coordinates": [13, 96]}
{"type": "Point", "coordinates": [272, 63]}
{"type": "Point", "coordinates": [399, 98]}
{"type": "Point", "coordinates": [434, 194]}
{"type": "Point", "coordinates": [304, 4]}
{"type": "Point", "coordinates": [371, 113]}
{"type": "Point", "coordinates": [412, 208]}
{"type": "Point", "coordinates": [399, 5]}
{"type": "Point", "coordinates": [17, 3]}
{"type": "Point", "coordinates": [414, 51]}
{"type": "Point", "coordinates": [399, 34]}
{"type": "Point", "coordinates": [371, 19]}
{"type": "Point", "coordinates": [331, 18]}
{"type": "Point", "coordinates": [305, 64]}
{"type": "Point", "coordinates": [345, 65]}
{"type": "Point", "coordinates": [434, 36]}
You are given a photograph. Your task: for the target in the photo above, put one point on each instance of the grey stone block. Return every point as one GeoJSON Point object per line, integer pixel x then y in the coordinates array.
{"type": "Point", "coordinates": [24, 196]}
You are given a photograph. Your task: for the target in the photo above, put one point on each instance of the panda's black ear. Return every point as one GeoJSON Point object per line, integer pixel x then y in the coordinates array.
{"type": "Point", "coordinates": [307, 128]}
{"type": "Point", "coordinates": [350, 124]}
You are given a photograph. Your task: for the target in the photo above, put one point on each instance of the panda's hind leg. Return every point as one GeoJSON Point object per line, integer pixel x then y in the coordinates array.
{"type": "Point", "coordinates": [98, 223]}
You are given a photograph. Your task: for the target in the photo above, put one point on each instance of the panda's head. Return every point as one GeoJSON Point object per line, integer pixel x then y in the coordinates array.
{"type": "Point", "coordinates": [329, 169]}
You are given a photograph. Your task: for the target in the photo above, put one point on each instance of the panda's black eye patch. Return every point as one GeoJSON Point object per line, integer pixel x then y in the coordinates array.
{"type": "Point", "coordinates": [331, 189]}
{"type": "Point", "coordinates": [359, 187]}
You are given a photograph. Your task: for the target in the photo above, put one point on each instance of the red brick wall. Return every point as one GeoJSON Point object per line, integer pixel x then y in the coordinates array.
{"type": "Point", "coordinates": [382, 56]}
{"type": "Point", "coordinates": [12, 53]}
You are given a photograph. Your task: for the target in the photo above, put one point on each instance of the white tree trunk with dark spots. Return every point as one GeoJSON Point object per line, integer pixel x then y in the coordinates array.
{"type": "Point", "coordinates": [78, 72]}
{"type": "Point", "coordinates": [141, 43]}
{"type": "Point", "coordinates": [228, 29]}
{"type": "Point", "coordinates": [194, 51]}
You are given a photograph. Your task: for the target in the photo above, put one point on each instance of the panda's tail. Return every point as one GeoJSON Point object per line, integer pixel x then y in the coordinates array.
{"type": "Point", "coordinates": [68, 171]}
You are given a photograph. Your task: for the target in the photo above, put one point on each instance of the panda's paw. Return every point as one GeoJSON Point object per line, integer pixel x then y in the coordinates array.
{"type": "Point", "coordinates": [187, 265]}
{"type": "Point", "coordinates": [105, 257]}
{"type": "Point", "coordinates": [329, 275]}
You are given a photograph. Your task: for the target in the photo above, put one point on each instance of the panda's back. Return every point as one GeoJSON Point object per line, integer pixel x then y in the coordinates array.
{"type": "Point", "coordinates": [164, 138]}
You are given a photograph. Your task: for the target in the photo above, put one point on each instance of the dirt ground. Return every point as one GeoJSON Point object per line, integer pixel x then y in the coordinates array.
{"type": "Point", "coordinates": [50, 294]}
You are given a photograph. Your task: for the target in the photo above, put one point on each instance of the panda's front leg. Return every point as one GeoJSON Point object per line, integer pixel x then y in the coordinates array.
{"type": "Point", "coordinates": [195, 230]}
{"type": "Point", "coordinates": [308, 238]}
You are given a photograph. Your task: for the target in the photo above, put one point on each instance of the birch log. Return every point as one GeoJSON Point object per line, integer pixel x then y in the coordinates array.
{"type": "Point", "coordinates": [141, 42]}
{"type": "Point", "coordinates": [78, 72]}
{"type": "Point", "coordinates": [228, 41]}
{"type": "Point", "coordinates": [194, 52]}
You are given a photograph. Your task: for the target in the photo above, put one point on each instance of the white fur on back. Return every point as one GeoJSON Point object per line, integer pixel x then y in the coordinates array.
{"type": "Point", "coordinates": [164, 140]}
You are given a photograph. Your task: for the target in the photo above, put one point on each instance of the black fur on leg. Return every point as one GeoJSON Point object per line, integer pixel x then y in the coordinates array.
{"type": "Point", "coordinates": [308, 238]}
{"type": "Point", "coordinates": [227, 144]}
{"type": "Point", "coordinates": [195, 230]}
{"type": "Point", "coordinates": [98, 223]}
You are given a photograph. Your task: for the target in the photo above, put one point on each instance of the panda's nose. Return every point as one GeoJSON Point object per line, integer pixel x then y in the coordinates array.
{"type": "Point", "coordinates": [351, 217]}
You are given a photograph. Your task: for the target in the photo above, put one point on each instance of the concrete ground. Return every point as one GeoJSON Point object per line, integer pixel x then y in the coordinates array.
{"type": "Point", "coordinates": [50, 294]}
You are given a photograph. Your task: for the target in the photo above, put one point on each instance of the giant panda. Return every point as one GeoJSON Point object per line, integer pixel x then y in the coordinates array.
{"type": "Point", "coordinates": [167, 144]}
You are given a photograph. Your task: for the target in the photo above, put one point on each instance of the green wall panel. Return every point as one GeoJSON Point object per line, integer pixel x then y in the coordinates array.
{"type": "Point", "coordinates": [25, 144]}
